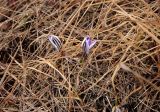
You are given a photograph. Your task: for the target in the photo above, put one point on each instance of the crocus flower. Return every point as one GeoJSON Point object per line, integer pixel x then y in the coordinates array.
{"type": "Point", "coordinates": [56, 42]}
{"type": "Point", "coordinates": [87, 44]}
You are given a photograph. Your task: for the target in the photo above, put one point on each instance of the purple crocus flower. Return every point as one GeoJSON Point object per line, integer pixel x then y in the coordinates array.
{"type": "Point", "coordinates": [87, 44]}
{"type": "Point", "coordinates": [56, 42]}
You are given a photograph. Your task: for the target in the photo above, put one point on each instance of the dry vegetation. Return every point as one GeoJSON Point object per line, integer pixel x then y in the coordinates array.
{"type": "Point", "coordinates": [121, 73]}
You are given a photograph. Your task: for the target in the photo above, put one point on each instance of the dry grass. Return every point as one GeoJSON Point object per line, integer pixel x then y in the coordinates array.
{"type": "Point", "coordinates": [122, 72]}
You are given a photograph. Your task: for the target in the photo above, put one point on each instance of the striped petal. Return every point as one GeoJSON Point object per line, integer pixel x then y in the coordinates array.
{"type": "Point", "coordinates": [85, 46]}
{"type": "Point", "coordinates": [87, 42]}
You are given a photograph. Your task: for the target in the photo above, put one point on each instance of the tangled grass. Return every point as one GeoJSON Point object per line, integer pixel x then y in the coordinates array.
{"type": "Point", "coordinates": [121, 73]}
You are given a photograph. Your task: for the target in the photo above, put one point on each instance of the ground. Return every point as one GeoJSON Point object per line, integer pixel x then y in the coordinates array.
{"type": "Point", "coordinates": [121, 72]}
